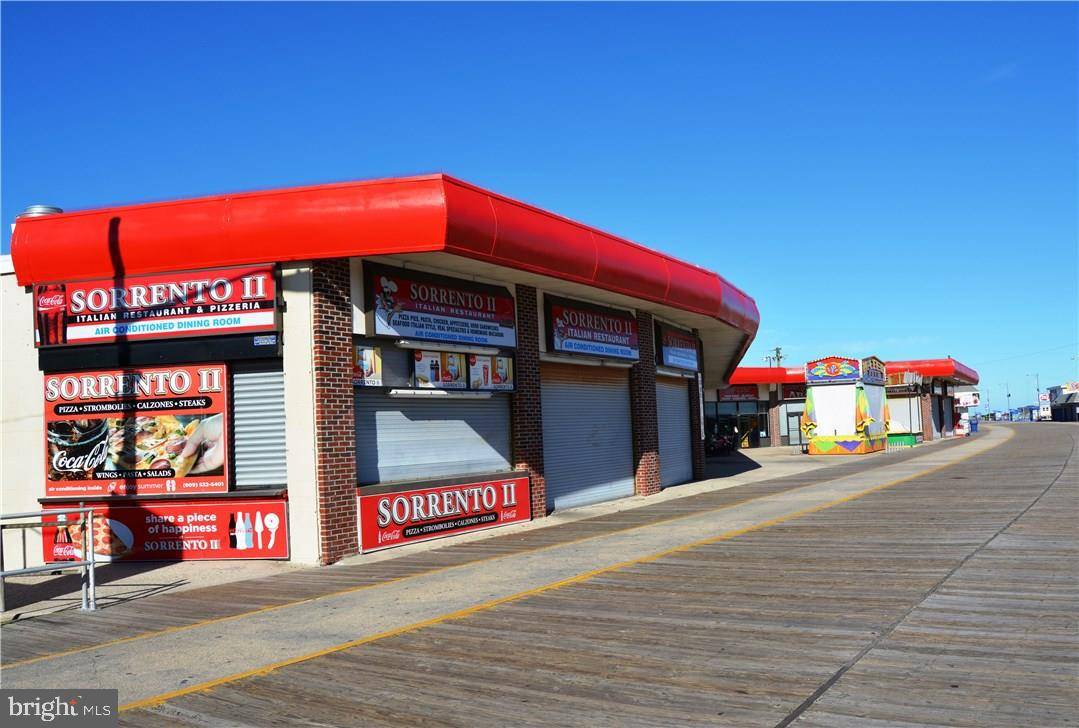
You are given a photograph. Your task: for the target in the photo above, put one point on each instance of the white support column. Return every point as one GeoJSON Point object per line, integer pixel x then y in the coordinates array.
{"type": "Point", "coordinates": [22, 475]}
{"type": "Point", "coordinates": [300, 415]}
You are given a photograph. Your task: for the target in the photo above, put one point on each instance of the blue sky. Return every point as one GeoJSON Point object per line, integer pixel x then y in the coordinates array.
{"type": "Point", "coordinates": [897, 179]}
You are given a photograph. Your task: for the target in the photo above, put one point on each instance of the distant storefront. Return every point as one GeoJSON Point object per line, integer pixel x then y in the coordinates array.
{"type": "Point", "coordinates": [921, 395]}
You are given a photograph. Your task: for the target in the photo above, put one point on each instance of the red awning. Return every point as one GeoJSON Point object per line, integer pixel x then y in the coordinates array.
{"type": "Point", "coordinates": [433, 213]}
{"type": "Point", "coordinates": [768, 375]}
{"type": "Point", "coordinates": [949, 369]}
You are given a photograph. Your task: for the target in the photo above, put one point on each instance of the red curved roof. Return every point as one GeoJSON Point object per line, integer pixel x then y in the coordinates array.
{"type": "Point", "coordinates": [940, 368]}
{"type": "Point", "coordinates": [768, 375]}
{"type": "Point", "coordinates": [434, 213]}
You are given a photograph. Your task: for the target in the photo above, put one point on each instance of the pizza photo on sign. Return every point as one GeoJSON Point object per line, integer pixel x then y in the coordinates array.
{"type": "Point", "coordinates": [112, 539]}
{"type": "Point", "coordinates": [157, 443]}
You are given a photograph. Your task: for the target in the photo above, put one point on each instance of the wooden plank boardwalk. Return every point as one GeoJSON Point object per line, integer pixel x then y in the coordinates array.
{"type": "Point", "coordinates": [64, 631]}
{"type": "Point", "coordinates": [949, 599]}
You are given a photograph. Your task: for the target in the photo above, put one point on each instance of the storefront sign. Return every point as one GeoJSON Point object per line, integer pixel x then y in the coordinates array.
{"type": "Point", "coordinates": [583, 328]}
{"type": "Point", "coordinates": [1043, 396]}
{"type": "Point", "coordinates": [832, 370]}
{"type": "Point", "coordinates": [439, 370]}
{"type": "Point", "coordinates": [367, 366]}
{"type": "Point", "coordinates": [794, 391]}
{"type": "Point", "coordinates": [137, 431]}
{"type": "Point", "coordinates": [490, 372]}
{"type": "Point", "coordinates": [739, 393]}
{"type": "Point", "coordinates": [677, 348]}
{"type": "Point", "coordinates": [414, 305]}
{"type": "Point", "coordinates": [408, 516]}
{"type": "Point", "coordinates": [171, 530]}
{"type": "Point", "coordinates": [161, 306]}
{"type": "Point", "coordinates": [1069, 388]}
{"type": "Point", "coordinates": [968, 399]}
{"type": "Point", "coordinates": [873, 371]}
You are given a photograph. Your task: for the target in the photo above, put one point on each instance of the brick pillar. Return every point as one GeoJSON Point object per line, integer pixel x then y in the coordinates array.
{"type": "Point", "coordinates": [335, 433]}
{"type": "Point", "coordinates": [775, 399]}
{"type": "Point", "coordinates": [695, 439]}
{"type": "Point", "coordinates": [527, 417]}
{"type": "Point", "coordinates": [927, 417]}
{"type": "Point", "coordinates": [642, 407]}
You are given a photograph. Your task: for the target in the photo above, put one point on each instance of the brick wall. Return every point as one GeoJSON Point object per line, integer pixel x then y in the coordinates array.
{"type": "Point", "coordinates": [527, 419]}
{"type": "Point", "coordinates": [696, 443]}
{"type": "Point", "coordinates": [334, 417]}
{"type": "Point", "coordinates": [642, 399]}
{"type": "Point", "coordinates": [927, 417]}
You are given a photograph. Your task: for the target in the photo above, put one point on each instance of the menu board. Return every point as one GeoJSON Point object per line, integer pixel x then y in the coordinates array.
{"type": "Point", "coordinates": [440, 370]}
{"type": "Point", "coordinates": [490, 373]}
{"type": "Point", "coordinates": [171, 530]}
{"type": "Point", "coordinates": [584, 328]}
{"type": "Point", "coordinates": [367, 366]}
{"type": "Point", "coordinates": [873, 371]}
{"type": "Point", "coordinates": [142, 431]}
{"type": "Point", "coordinates": [415, 305]}
{"type": "Point", "coordinates": [159, 306]}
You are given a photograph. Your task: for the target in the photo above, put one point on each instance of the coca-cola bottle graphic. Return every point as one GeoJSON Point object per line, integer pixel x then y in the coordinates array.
{"type": "Point", "coordinates": [50, 306]}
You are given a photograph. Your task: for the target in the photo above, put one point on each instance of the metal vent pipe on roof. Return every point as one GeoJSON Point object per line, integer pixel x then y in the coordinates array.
{"type": "Point", "coordinates": [39, 211]}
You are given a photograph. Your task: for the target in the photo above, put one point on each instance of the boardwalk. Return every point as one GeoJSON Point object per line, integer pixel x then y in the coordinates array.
{"type": "Point", "coordinates": [947, 597]}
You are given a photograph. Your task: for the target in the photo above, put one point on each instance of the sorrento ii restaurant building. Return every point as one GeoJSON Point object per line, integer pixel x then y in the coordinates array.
{"type": "Point", "coordinates": [310, 373]}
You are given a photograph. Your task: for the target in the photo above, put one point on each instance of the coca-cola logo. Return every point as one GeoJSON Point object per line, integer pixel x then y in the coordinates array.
{"type": "Point", "coordinates": [64, 551]}
{"type": "Point", "coordinates": [62, 463]}
{"type": "Point", "coordinates": [51, 301]}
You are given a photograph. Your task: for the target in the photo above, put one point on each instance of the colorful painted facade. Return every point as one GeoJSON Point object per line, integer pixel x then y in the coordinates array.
{"type": "Point", "coordinates": [846, 406]}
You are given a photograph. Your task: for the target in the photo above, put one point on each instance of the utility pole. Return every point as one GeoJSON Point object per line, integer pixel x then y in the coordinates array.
{"type": "Point", "coordinates": [1037, 383]}
{"type": "Point", "coordinates": [778, 356]}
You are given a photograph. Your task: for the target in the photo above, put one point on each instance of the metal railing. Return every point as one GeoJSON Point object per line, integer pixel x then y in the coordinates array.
{"type": "Point", "coordinates": [86, 566]}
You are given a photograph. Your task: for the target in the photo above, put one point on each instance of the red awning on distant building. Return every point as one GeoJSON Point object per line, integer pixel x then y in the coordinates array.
{"type": "Point", "coordinates": [947, 369]}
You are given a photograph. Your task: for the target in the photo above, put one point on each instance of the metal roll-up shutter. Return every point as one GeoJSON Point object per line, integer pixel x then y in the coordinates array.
{"type": "Point", "coordinates": [258, 429]}
{"type": "Point", "coordinates": [675, 447]}
{"type": "Point", "coordinates": [949, 408]}
{"type": "Point", "coordinates": [937, 417]}
{"type": "Point", "coordinates": [400, 438]}
{"type": "Point", "coordinates": [587, 436]}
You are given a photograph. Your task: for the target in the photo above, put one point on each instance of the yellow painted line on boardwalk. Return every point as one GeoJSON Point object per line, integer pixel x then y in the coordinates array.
{"type": "Point", "coordinates": [584, 576]}
{"type": "Point", "coordinates": [386, 582]}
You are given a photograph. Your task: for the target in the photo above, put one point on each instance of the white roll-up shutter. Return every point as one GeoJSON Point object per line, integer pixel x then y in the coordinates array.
{"type": "Point", "coordinates": [675, 447]}
{"type": "Point", "coordinates": [901, 412]}
{"type": "Point", "coordinates": [587, 435]}
{"type": "Point", "coordinates": [258, 429]}
{"type": "Point", "coordinates": [424, 438]}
